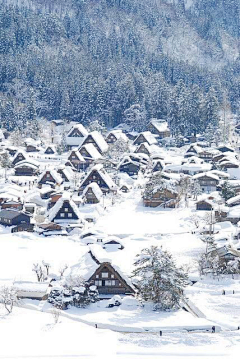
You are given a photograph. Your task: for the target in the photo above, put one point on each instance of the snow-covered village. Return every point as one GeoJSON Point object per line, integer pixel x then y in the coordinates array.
{"type": "Point", "coordinates": [120, 231]}
{"type": "Point", "coordinates": [119, 179]}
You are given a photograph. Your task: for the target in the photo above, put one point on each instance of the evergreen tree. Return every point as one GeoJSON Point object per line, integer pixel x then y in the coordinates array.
{"type": "Point", "coordinates": [227, 191]}
{"type": "Point", "coordinates": [135, 117]}
{"type": "Point", "coordinates": [158, 279]}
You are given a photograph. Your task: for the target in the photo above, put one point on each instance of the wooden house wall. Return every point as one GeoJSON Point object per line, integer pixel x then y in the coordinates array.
{"type": "Point", "coordinates": [64, 212]}
{"type": "Point", "coordinates": [129, 168]}
{"type": "Point", "coordinates": [20, 157]}
{"type": "Point", "coordinates": [47, 178]}
{"type": "Point", "coordinates": [95, 177]}
{"type": "Point", "coordinates": [108, 281]}
{"type": "Point", "coordinates": [90, 197]}
{"type": "Point", "coordinates": [25, 171]}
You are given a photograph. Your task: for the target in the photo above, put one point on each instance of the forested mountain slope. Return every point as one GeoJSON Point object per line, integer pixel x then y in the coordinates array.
{"type": "Point", "coordinates": [86, 59]}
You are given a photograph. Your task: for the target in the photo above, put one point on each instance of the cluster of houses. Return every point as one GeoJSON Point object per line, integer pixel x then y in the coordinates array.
{"type": "Point", "coordinates": [53, 193]}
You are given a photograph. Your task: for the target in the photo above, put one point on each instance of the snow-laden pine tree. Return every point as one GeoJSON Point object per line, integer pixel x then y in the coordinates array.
{"type": "Point", "coordinates": [158, 279]}
{"type": "Point", "coordinates": [135, 117]}
{"type": "Point", "coordinates": [227, 191]}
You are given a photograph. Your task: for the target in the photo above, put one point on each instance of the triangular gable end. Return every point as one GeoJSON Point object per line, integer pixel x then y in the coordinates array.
{"type": "Point", "coordinates": [109, 281]}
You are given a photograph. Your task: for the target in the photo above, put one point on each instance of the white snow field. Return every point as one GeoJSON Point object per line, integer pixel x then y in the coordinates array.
{"type": "Point", "coordinates": [31, 333]}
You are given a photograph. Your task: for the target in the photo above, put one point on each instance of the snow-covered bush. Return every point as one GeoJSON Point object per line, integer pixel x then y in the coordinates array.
{"type": "Point", "coordinates": [79, 295]}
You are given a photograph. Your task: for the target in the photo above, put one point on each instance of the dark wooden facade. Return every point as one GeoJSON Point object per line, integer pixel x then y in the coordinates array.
{"type": "Point", "coordinates": [26, 170]}
{"type": "Point", "coordinates": [130, 168]}
{"type": "Point", "coordinates": [77, 161]}
{"type": "Point", "coordinates": [143, 149]}
{"type": "Point", "coordinates": [111, 138]}
{"type": "Point", "coordinates": [20, 157]}
{"type": "Point", "coordinates": [31, 148]}
{"type": "Point", "coordinates": [94, 176]}
{"type": "Point", "coordinates": [90, 139]}
{"type": "Point", "coordinates": [90, 197]}
{"type": "Point", "coordinates": [66, 212]}
{"type": "Point", "coordinates": [49, 151]}
{"type": "Point", "coordinates": [164, 198]}
{"type": "Point", "coordinates": [157, 166]}
{"type": "Point", "coordinates": [24, 227]}
{"type": "Point", "coordinates": [12, 217]}
{"type": "Point", "coordinates": [109, 281]}
{"type": "Point", "coordinates": [140, 139]}
{"type": "Point", "coordinates": [47, 178]}
{"type": "Point", "coordinates": [204, 206]}
{"type": "Point", "coordinates": [76, 133]}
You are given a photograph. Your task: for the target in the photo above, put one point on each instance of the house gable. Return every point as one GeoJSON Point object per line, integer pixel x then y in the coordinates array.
{"type": "Point", "coordinates": [109, 281]}
{"type": "Point", "coordinates": [66, 212]}
{"type": "Point", "coordinates": [94, 176]}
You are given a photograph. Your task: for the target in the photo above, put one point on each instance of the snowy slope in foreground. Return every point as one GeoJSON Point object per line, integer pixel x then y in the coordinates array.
{"type": "Point", "coordinates": [30, 334]}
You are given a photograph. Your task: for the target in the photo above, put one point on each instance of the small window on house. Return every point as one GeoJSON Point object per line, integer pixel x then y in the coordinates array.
{"type": "Point", "coordinates": [108, 283]}
{"type": "Point", "coordinates": [66, 209]}
{"type": "Point", "coordinates": [113, 282]}
{"type": "Point", "coordinates": [48, 175]}
{"type": "Point", "coordinates": [112, 275]}
{"type": "Point", "coordinates": [62, 214]}
{"type": "Point", "coordinates": [97, 276]}
{"type": "Point", "coordinates": [69, 215]}
{"type": "Point", "coordinates": [104, 274]}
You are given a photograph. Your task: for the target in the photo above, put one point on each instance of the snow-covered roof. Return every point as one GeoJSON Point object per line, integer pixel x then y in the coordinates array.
{"type": "Point", "coordinates": [77, 154]}
{"type": "Point", "coordinates": [56, 176]}
{"type": "Point", "coordinates": [194, 148]}
{"type": "Point", "coordinates": [85, 268]}
{"type": "Point", "coordinates": [80, 128]}
{"type": "Point", "coordinates": [18, 153]}
{"type": "Point", "coordinates": [118, 134]}
{"type": "Point", "coordinates": [91, 261]}
{"type": "Point", "coordinates": [35, 287]}
{"type": "Point", "coordinates": [103, 174]}
{"type": "Point", "coordinates": [160, 125]}
{"type": "Point", "coordinates": [207, 174]}
{"type": "Point", "coordinates": [58, 205]}
{"type": "Point", "coordinates": [27, 163]}
{"type": "Point", "coordinates": [93, 152]}
{"type": "Point", "coordinates": [99, 140]}
{"type": "Point", "coordinates": [234, 212]}
{"type": "Point", "coordinates": [150, 138]}
{"type": "Point", "coordinates": [96, 190]}
{"type": "Point", "coordinates": [220, 173]}
{"type": "Point", "coordinates": [67, 171]}
{"type": "Point", "coordinates": [233, 199]}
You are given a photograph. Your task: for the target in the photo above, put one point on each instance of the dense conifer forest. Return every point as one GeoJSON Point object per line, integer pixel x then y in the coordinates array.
{"type": "Point", "coordinates": [94, 59]}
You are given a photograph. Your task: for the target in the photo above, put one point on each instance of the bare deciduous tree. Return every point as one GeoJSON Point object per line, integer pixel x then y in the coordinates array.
{"type": "Point", "coordinates": [56, 314]}
{"type": "Point", "coordinates": [62, 269]}
{"type": "Point", "coordinates": [39, 272]}
{"type": "Point", "coordinates": [8, 297]}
